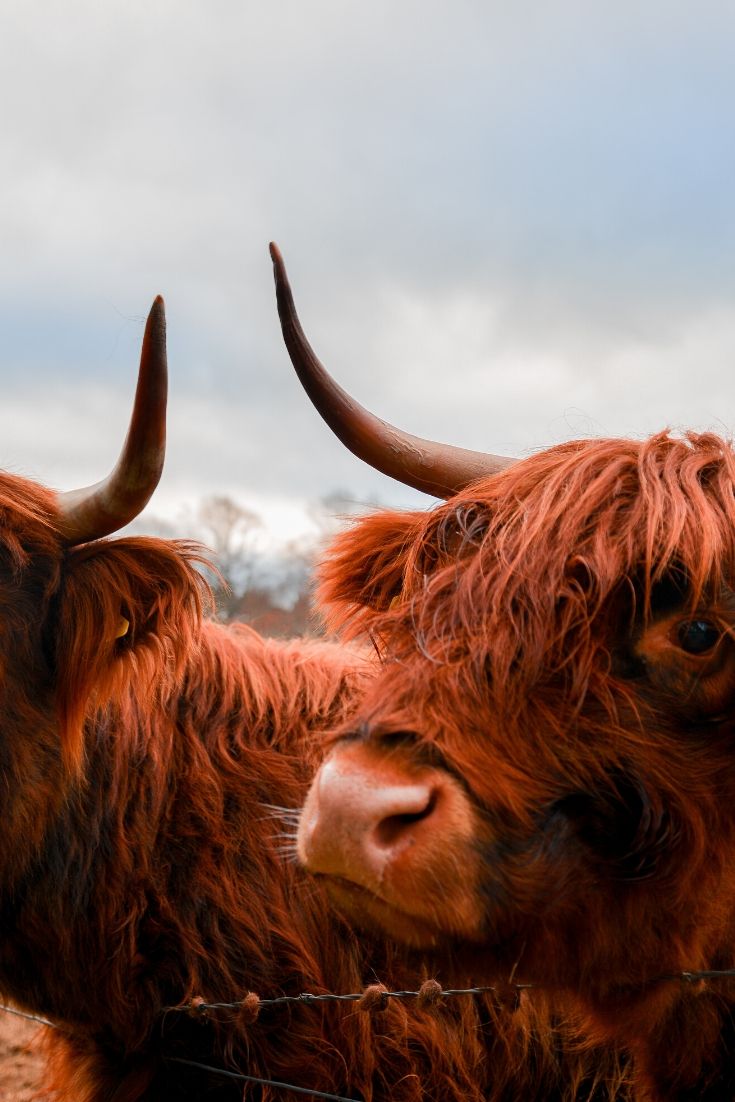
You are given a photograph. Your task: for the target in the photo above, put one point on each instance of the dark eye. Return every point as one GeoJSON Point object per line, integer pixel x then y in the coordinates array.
{"type": "Point", "coordinates": [697, 636]}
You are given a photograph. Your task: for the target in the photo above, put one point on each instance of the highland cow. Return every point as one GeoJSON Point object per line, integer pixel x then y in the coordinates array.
{"type": "Point", "coordinates": [141, 868]}
{"type": "Point", "coordinates": [541, 777]}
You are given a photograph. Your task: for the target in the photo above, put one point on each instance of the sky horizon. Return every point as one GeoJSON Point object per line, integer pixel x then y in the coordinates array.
{"type": "Point", "coordinates": [503, 227]}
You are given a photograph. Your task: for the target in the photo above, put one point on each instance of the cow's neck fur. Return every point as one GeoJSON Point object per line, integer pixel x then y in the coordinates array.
{"type": "Point", "coordinates": [140, 865]}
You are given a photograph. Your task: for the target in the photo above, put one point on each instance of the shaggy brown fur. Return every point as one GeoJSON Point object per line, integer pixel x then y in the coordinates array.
{"type": "Point", "coordinates": [561, 637]}
{"type": "Point", "coordinates": [140, 866]}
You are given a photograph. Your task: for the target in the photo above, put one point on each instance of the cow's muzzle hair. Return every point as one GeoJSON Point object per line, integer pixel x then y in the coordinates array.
{"type": "Point", "coordinates": [98, 510]}
{"type": "Point", "coordinates": [441, 470]}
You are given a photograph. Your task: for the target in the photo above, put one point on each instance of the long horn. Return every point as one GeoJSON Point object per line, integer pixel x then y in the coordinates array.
{"type": "Point", "coordinates": [98, 510]}
{"type": "Point", "coordinates": [438, 469]}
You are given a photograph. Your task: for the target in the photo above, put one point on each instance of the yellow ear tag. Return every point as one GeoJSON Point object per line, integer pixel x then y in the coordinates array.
{"type": "Point", "coordinates": [395, 601]}
{"type": "Point", "coordinates": [122, 628]}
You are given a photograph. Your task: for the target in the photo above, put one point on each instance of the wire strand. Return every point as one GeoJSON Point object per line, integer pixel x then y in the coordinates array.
{"type": "Point", "coordinates": [264, 1082]}
{"type": "Point", "coordinates": [28, 1017]}
{"type": "Point", "coordinates": [308, 999]}
{"type": "Point", "coordinates": [197, 1006]}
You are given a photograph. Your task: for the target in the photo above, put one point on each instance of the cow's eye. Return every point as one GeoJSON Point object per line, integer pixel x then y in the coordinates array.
{"type": "Point", "coordinates": [697, 636]}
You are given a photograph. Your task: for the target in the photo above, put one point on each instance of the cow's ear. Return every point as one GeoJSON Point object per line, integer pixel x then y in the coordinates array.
{"type": "Point", "coordinates": [124, 607]}
{"type": "Point", "coordinates": [365, 569]}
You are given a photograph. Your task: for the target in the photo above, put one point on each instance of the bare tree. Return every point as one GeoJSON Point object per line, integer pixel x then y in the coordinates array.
{"type": "Point", "coordinates": [269, 589]}
{"type": "Point", "coordinates": [227, 528]}
{"type": "Point", "coordinates": [331, 512]}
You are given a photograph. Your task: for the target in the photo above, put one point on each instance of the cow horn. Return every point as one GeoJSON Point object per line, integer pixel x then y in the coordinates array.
{"type": "Point", "coordinates": [438, 469]}
{"type": "Point", "coordinates": [98, 510]}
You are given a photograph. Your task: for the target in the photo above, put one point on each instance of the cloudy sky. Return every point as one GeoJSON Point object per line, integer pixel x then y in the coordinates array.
{"type": "Point", "coordinates": [505, 225]}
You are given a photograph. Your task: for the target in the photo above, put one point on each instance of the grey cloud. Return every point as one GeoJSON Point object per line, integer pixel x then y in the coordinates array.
{"type": "Point", "coordinates": [504, 225]}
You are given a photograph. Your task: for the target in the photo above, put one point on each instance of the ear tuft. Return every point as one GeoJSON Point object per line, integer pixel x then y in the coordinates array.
{"type": "Point", "coordinates": [148, 592]}
{"type": "Point", "coordinates": [364, 570]}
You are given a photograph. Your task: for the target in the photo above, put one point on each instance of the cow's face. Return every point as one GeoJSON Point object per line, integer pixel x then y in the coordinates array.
{"type": "Point", "coordinates": [76, 624]}
{"type": "Point", "coordinates": [544, 765]}
{"type": "Point", "coordinates": [67, 598]}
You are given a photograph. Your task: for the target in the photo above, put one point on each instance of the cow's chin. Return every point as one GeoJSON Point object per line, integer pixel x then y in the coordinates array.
{"type": "Point", "coordinates": [379, 915]}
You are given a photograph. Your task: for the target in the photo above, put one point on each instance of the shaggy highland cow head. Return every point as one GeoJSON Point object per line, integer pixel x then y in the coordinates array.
{"type": "Point", "coordinates": [542, 773]}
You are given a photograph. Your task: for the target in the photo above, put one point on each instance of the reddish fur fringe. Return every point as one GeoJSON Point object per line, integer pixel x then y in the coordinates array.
{"type": "Point", "coordinates": [501, 615]}
{"type": "Point", "coordinates": [140, 866]}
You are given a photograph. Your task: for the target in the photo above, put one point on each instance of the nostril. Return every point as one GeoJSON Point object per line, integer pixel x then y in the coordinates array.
{"type": "Point", "coordinates": [390, 829]}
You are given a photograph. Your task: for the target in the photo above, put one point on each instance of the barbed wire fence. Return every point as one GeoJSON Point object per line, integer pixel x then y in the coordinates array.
{"type": "Point", "coordinates": [372, 999]}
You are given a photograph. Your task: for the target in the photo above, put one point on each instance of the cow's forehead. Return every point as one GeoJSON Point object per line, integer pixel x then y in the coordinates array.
{"type": "Point", "coordinates": [607, 506]}
{"type": "Point", "coordinates": [553, 564]}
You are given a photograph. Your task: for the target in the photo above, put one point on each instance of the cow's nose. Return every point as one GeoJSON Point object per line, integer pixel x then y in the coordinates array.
{"type": "Point", "coordinates": [356, 821]}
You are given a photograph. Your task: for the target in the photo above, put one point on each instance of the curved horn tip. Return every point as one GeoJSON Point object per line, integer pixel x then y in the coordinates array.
{"type": "Point", "coordinates": [154, 336]}
{"type": "Point", "coordinates": [99, 510]}
{"type": "Point", "coordinates": [157, 311]}
{"type": "Point", "coordinates": [279, 268]}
